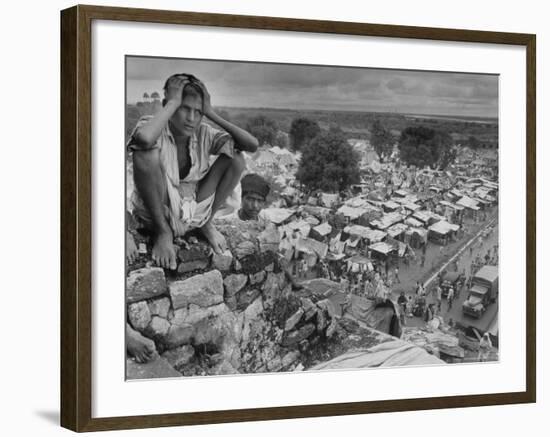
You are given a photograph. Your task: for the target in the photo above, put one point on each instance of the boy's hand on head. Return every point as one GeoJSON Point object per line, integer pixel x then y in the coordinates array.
{"type": "Point", "coordinates": [174, 89]}
{"type": "Point", "coordinates": [206, 103]}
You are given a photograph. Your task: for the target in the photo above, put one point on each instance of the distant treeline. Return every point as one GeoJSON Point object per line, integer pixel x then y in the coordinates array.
{"type": "Point", "coordinates": [353, 124]}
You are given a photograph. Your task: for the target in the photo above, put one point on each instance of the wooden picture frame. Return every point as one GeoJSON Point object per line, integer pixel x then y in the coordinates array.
{"type": "Point", "coordinates": [76, 217]}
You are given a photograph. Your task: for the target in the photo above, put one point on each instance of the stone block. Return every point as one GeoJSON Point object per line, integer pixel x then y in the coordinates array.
{"type": "Point", "coordinates": [294, 337]}
{"type": "Point", "coordinates": [256, 278]}
{"type": "Point", "coordinates": [245, 297]}
{"type": "Point", "coordinates": [159, 307]}
{"type": "Point", "coordinates": [158, 328]}
{"type": "Point", "coordinates": [309, 308]}
{"type": "Point", "coordinates": [145, 283]}
{"type": "Point", "coordinates": [273, 286]}
{"type": "Point", "coordinates": [223, 261]}
{"type": "Point", "coordinates": [269, 239]}
{"type": "Point", "coordinates": [331, 330]}
{"type": "Point", "coordinates": [202, 290]}
{"type": "Point", "coordinates": [180, 356]}
{"type": "Point", "coordinates": [322, 320]}
{"type": "Point", "coordinates": [139, 315]}
{"type": "Point", "coordinates": [290, 358]}
{"type": "Point", "coordinates": [275, 364]}
{"type": "Point", "coordinates": [293, 320]}
{"type": "Point", "coordinates": [328, 306]}
{"type": "Point", "coordinates": [158, 368]}
{"type": "Point", "coordinates": [178, 335]}
{"type": "Point", "coordinates": [234, 283]}
{"type": "Point", "coordinates": [197, 251]}
{"type": "Point", "coordinates": [223, 368]}
{"type": "Point", "coordinates": [191, 266]}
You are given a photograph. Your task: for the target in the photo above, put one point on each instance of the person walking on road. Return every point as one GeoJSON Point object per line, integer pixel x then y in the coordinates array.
{"type": "Point", "coordinates": [450, 298]}
{"type": "Point", "coordinates": [396, 271]}
{"type": "Point", "coordinates": [438, 295]}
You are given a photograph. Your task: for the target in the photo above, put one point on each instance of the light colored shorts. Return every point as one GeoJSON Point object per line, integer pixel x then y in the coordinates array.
{"type": "Point", "coordinates": [191, 214]}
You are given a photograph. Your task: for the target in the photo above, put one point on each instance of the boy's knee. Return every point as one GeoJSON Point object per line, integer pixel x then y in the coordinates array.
{"type": "Point", "coordinates": [146, 159]}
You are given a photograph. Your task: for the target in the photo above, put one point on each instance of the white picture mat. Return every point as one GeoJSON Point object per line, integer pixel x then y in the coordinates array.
{"type": "Point", "coordinates": [112, 396]}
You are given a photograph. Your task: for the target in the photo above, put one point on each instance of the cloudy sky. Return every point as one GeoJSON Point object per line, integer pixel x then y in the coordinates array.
{"type": "Point", "coordinates": [244, 84]}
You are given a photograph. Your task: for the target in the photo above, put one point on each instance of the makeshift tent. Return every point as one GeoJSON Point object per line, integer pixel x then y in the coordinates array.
{"type": "Point", "coordinates": [413, 222]}
{"type": "Point", "coordinates": [390, 206]}
{"type": "Point", "coordinates": [400, 193]}
{"type": "Point", "coordinates": [387, 220]}
{"type": "Point", "coordinates": [309, 245]}
{"type": "Point", "coordinates": [359, 263]}
{"type": "Point", "coordinates": [350, 212]}
{"type": "Point", "coordinates": [451, 205]}
{"type": "Point", "coordinates": [443, 228]}
{"type": "Point", "coordinates": [371, 235]}
{"type": "Point", "coordinates": [301, 226]}
{"type": "Point", "coordinates": [323, 229]}
{"type": "Point", "coordinates": [313, 221]}
{"type": "Point", "coordinates": [411, 206]}
{"type": "Point", "coordinates": [396, 230]}
{"type": "Point", "coordinates": [329, 199]}
{"type": "Point", "coordinates": [468, 202]}
{"type": "Point", "coordinates": [416, 237]}
{"type": "Point", "coordinates": [381, 247]}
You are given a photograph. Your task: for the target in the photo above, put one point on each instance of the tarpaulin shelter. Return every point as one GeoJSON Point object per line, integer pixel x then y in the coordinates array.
{"type": "Point", "coordinates": [323, 229]}
{"type": "Point", "coordinates": [368, 234]}
{"type": "Point", "coordinates": [329, 199]}
{"type": "Point", "coordinates": [468, 202]}
{"type": "Point", "coordinates": [309, 245]}
{"type": "Point", "coordinates": [441, 231]}
{"type": "Point", "coordinates": [396, 230]}
{"type": "Point", "coordinates": [416, 237]}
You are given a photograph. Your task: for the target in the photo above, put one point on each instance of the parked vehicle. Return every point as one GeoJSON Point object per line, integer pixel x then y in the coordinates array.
{"type": "Point", "coordinates": [451, 279]}
{"type": "Point", "coordinates": [482, 293]}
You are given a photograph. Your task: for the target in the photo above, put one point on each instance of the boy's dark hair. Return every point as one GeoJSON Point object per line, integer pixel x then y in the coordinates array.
{"type": "Point", "coordinates": [191, 88]}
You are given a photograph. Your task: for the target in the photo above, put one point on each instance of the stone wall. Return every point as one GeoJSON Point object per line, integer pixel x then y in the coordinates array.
{"type": "Point", "coordinates": [229, 313]}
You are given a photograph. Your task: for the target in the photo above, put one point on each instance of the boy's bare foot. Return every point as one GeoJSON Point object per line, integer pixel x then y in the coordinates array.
{"type": "Point", "coordinates": [131, 249]}
{"type": "Point", "coordinates": [142, 349]}
{"type": "Point", "coordinates": [163, 252]}
{"type": "Point", "coordinates": [214, 237]}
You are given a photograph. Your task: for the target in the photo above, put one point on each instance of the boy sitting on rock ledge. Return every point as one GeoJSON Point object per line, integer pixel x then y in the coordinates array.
{"type": "Point", "coordinates": [177, 188]}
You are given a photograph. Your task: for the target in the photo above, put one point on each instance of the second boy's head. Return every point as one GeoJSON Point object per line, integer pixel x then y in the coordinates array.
{"type": "Point", "coordinates": [254, 190]}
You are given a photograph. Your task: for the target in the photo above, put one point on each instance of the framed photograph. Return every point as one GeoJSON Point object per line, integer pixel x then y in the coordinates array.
{"type": "Point", "coordinates": [268, 218]}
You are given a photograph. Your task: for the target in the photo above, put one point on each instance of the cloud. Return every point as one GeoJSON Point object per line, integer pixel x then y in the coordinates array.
{"type": "Point", "coordinates": [323, 87]}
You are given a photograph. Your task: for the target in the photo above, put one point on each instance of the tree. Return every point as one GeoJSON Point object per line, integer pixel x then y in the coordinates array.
{"type": "Point", "coordinates": [302, 131]}
{"type": "Point", "coordinates": [422, 146]}
{"type": "Point", "coordinates": [155, 95]}
{"type": "Point", "coordinates": [263, 128]}
{"type": "Point", "coordinates": [473, 143]}
{"type": "Point", "coordinates": [281, 139]}
{"type": "Point", "coordinates": [381, 139]}
{"type": "Point", "coordinates": [448, 153]}
{"type": "Point", "coordinates": [145, 97]}
{"type": "Point", "coordinates": [328, 163]}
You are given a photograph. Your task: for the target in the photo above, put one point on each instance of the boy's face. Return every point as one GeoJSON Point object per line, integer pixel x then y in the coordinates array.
{"type": "Point", "coordinates": [252, 204]}
{"type": "Point", "coordinates": [189, 115]}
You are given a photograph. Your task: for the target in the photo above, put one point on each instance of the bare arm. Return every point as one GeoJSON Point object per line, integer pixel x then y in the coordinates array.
{"type": "Point", "coordinates": [243, 140]}
{"type": "Point", "coordinates": [147, 135]}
